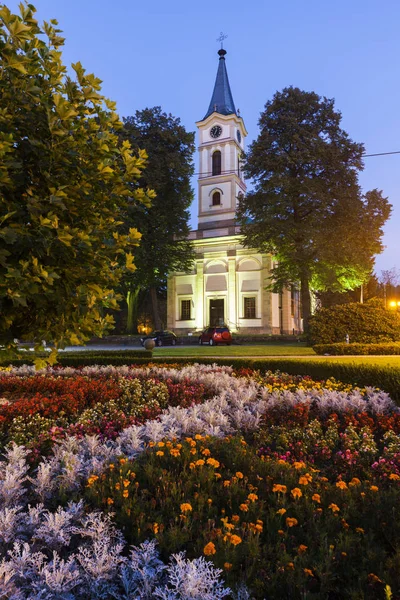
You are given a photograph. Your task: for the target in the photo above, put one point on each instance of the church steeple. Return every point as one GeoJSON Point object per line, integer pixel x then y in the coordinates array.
{"type": "Point", "coordinates": [221, 100]}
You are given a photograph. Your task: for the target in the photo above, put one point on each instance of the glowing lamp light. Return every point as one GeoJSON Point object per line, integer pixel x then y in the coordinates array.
{"type": "Point", "coordinates": [393, 304]}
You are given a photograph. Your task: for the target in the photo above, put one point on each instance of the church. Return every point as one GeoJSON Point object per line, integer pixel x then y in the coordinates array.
{"type": "Point", "coordinates": [226, 285]}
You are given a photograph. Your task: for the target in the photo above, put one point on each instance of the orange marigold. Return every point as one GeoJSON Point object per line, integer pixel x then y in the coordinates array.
{"type": "Point", "coordinates": [374, 488]}
{"type": "Point", "coordinates": [252, 497]}
{"type": "Point", "coordinates": [296, 493]}
{"type": "Point", "coordinates": [209, 549]}
{"type": "Point", "coordinates": [277, 487]}
{"type": "Point", "coordinates": [235, 540]}
{"type": "Point", "coordinates": [334, 507]}
{"type": "Point", "coordinates": [342, 485]}
{"type": "Point", "coordinates": [316, 498]}
{"type": "Point", "coordinates": [308, 572]}
{"type": "Point", "coordinates": [281, 511]}
{"type": "Point", "coordinates": [291, 521]}
{"type": "Point", "coordinates": [186, 507]}
{"type": "Point", "coordinates": [244, 507]}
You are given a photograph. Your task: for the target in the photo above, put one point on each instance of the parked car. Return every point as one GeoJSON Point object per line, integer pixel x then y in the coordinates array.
{"type": "Point", "coordinates": [161, 338]}
{"type": "Point", "coordinates": [216, 335]}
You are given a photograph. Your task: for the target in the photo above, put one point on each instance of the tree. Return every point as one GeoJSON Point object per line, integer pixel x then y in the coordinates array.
{"type": "Point", "coordinates": [66, 183]}
{"type": "Point", "coordinates": [307, 207]}
{"type": "Point", "coordinates": [164, 224]}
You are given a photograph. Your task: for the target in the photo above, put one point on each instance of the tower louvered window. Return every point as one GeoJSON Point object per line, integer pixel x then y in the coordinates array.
{"type": "Point", "coordinates": [216, 163]}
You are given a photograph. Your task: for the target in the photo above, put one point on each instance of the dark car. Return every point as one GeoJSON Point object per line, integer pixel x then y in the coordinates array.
{"type": "Point", "coordinates": [161, 338]}
{"type": "Point", "coordinates": [216, 335]}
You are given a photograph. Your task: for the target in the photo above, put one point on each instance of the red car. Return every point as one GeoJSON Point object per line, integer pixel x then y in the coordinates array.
{"type": "Point", "coordinates": [216, 335]}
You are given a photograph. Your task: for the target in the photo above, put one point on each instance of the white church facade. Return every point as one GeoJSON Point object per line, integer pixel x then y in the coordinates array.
{"type": "Point", "coordinates": [227, 282]}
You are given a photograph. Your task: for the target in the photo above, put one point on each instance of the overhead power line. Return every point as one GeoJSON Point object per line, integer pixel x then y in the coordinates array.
{"type": "Point", "coordinates": [382, 153]}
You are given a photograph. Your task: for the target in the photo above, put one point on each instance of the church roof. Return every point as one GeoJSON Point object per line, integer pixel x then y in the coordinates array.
{"type": "Point", "coordinates": [221, 100]}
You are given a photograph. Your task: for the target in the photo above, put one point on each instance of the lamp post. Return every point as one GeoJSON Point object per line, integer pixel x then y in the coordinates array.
{"type": "Point", "coordinates": [394, 305]}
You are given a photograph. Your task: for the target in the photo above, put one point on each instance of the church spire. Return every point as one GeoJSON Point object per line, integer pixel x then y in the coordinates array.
{"type": "Point", "coordinates": [221, 100]}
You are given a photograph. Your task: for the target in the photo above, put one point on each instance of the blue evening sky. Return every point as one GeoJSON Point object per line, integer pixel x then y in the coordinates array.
{"type": "Point", "coordinates": [155, 52]}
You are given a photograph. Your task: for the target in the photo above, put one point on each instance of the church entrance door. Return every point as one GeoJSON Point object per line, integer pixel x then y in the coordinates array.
{"type": "Point", "coordinates": [217, 309]}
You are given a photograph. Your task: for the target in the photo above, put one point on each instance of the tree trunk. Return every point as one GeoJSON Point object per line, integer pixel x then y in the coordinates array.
{"type": "Point", "coordinates": [132, 303]}
{"type": "Point", "coordinates": [305, 301]}
{"type": "Point", "coordinates": [154, 304]}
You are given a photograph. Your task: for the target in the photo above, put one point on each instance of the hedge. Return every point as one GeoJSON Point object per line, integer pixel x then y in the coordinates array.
{"type": "Point", "coordinates": [384, 377]}
{"type": "Point", "coordinates": [338, 349]}
{"type": "Point", "coordinates": [82, 358]}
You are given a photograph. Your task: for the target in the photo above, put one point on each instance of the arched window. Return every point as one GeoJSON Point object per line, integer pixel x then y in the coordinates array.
{"type": "Point", "coordinates": [216, 199]}
{"type": "Point", "coordinates": [216, 163]}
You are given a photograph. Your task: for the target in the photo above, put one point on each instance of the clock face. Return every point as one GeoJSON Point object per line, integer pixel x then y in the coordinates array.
{"type": "Point", "coordinates": [215, 131]}
{"type": "Point", "coordinates": [239, 136]}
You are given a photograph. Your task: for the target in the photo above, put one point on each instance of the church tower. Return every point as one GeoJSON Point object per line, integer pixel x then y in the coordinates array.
{"type": "Point", "coordinates": [222, 135]}
{"type": "Point", "coordinates": [227, 284]}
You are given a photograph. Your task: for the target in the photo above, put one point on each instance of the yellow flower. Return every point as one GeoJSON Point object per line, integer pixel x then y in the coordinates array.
{"type": "Point", "coordinates": [252, 497]}
{"type": "Point", "coordinates": [126, 482]}
{"type": "Point", "coordinates": [125, 493]}
{"type": "Point", "coordinates": [155, 527]}
{"type": "Point", "coordinates": [316, 498]}
{"type": "Point", "coordinates": [374, 488]}
{"type": "Point", "coordinates": [186, 507]}
{"type": "Point", "coordinates": [198, 436]}
{"type": "Point", "coordinates": [206, 452]}
{"type": "Point", "coordinates": [214, 463]}
{"type": "Point", "coordinates": [209, 549]}
{"type": "Point", "coordinates": [334, 507]}
{"type": "Point", "coordinates": [175, 452]}
{"type": "Point", "coordinates": [296, 493]}
{"type": "Point", "coordinates": [355, 481]}
{"type": "Point", "coordinates": [239, 475]}
{"type": "Point", "coordinates": [291, 521]}
{"type": "Point", "coordinates": [299, 465]}
{"type": "Point", "coordinates": [200, 462]}
{"type": "Point", "coordinates": [394, 477]}
{"type": "Point", "coordinates": [161, 444]}
{"type": "Point", "coordinates": [278, 488]}
{"type": "Point", "coordinates": [235, 540]}
{"type": "Point", "coordinates": [342, 485]}
{"type": "Point", "coordinates": [281, 511]}
{"type": "Point", "coordinates": [92, 479]}
{"type": "Point", "coordinates": [159, 453]}
{"type": "Point", "coordinates": [244, 507]}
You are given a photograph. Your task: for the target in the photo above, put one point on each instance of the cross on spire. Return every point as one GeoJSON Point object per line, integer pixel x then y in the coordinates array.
{"type": "Point", "coordinates": [221, 38]}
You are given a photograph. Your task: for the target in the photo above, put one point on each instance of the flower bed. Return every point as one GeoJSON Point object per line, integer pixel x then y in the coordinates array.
{"type": "Point", "coordinates": [276, 480]}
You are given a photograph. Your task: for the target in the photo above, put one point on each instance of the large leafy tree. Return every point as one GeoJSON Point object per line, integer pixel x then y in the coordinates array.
{"type": "Point", "coordinates": [66, 182]}
{"type": "Point", "coordinates": [307, 207]}
{"type": "Point", "coordinates": [163, 225]}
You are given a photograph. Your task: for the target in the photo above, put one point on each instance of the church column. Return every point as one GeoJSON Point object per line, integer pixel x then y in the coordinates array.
{"type": "Point", "coordinates": [200, 294]}
{"type": "Point", "coordinates": [232, 295]}
{"type": "Point", "coordinates": [266, 295]}
{"type": "Point", "coordinates": [286, 312]}
{"type": "Point", "coordinates": [171, 301]}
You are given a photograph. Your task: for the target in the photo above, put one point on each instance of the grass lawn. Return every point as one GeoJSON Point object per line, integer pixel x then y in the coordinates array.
{"type": "Point", "coordinates": [297, 349]}
{"type": "Point", "coordinates": [273, 350]}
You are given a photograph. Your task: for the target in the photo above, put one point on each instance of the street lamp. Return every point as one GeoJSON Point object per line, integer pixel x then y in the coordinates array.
{"type": "Point", "coordinates": [394, 304]}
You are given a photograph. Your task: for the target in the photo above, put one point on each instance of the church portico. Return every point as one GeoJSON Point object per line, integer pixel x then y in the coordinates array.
{"type": "Point", "coordinates": [227, 285]}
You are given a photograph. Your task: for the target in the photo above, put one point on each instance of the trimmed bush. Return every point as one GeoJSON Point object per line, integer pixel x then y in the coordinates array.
{"type": "Point", "coordinates": [353, 349]}
{"type": "Point", "coordinates": [365, 323]}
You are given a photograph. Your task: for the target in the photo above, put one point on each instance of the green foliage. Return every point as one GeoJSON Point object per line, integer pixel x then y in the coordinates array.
{"type": "Point", "coordinates": [365, 323]}
{"type": "Point", "coordinates": [163, 225]}
{"type": "Point", "coordinates": [65, 186]}
{"type": "Point", "coordinates": [306, 193]}
{"type": "Point", "coordinates": [358, 349]}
